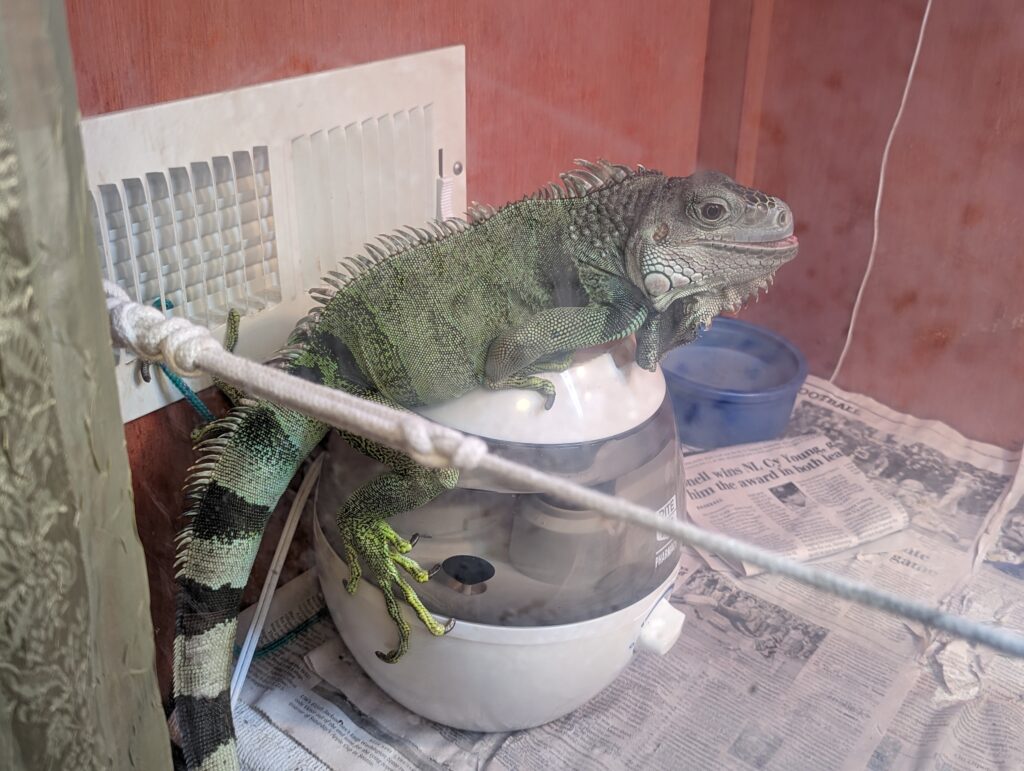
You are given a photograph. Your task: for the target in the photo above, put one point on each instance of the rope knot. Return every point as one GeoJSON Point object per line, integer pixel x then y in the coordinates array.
{"type": "Point", "coordinates": [417, 438]}
{"type": "Point", "coordinates": [440, 447]}
{"type": "Point", "coordinates": [147, 333]}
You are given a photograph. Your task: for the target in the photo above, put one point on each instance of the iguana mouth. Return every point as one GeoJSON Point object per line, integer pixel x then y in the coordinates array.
{"type": "Point", "coordinates": [781, 245]}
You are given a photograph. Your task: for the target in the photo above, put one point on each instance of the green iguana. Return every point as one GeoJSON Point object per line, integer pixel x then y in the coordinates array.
{"type": "Point", "coordinates": [427, 316]}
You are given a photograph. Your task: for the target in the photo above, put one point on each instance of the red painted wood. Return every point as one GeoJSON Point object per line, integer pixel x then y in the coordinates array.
{"type": "Point", "coordinates": [547, 81]}
{"type": "Point", "coordinates": [941, 332]}
{"type": "Point", "coordinates": [725, 71]}
{"type": "Point", "coordinates": [758, 47]}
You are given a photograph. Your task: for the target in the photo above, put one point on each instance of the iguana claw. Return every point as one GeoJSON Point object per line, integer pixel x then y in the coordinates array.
{"type": "Point", "coordinates": [391, 658]}
{"type": "Point", "coordinates": [375, 543]}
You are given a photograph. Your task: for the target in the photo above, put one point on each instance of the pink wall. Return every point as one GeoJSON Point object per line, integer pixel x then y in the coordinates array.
{"type": "Point", "coordinates": [941, 330]}
{"type": "Point", "coordinates": [547, 80]}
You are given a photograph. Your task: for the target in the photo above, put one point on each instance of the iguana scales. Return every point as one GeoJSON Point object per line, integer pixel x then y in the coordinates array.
{"type": "Point", "coordinates": [427, 316]}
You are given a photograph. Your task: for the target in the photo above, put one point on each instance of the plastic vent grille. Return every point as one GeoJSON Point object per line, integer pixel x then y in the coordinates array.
{"type": "Point", "coordinates": [194, 241]}
{"type": "Point", "coordinates": [188, 217]}
{"type": "Point", "coordinates": [380, 175]}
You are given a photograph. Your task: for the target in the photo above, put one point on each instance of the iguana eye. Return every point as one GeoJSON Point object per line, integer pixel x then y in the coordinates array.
{"type": "Point", "coordinates": [712, 211]}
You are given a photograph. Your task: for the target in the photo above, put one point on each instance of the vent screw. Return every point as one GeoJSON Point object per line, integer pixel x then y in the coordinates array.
{"type": "Point", "coordinates": [457, 168]}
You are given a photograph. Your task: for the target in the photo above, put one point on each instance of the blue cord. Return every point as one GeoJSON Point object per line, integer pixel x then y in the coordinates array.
{"type": "Point", "coordinates": [189, 394]}
{"type": "Point", "coordinates": [181, 385]}
{"type": "Point", "coordinates": [286, 638]}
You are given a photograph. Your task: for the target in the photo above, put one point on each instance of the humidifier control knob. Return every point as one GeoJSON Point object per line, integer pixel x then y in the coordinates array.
{"type": "Point", "coordinates": [661, 629]}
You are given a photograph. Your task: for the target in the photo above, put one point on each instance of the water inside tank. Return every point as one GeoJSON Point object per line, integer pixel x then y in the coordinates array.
{"type": "Point", "coordinates": [524, 559]}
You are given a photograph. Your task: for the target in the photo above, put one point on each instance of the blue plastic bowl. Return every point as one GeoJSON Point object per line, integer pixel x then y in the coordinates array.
{"type": "Point", "coordinates": [735, 383]}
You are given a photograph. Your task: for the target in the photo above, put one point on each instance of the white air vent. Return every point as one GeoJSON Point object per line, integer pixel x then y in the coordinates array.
{"type": "Point", "coordinates": [244, 199]}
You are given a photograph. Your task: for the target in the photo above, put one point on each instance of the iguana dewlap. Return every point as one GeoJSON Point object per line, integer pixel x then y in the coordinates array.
{"type": "Point", "coordinates": [427, 316]}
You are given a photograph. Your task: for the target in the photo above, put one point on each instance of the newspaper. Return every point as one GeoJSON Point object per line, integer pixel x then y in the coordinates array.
{"type": "Point", "coordinates": [767, 674]}
{"type": "Point", "coordinates": [289, 717]}
{"type": "Point", "coordinates": [966, 709]}
{"type": "Point", "coordinates": [800, 497]}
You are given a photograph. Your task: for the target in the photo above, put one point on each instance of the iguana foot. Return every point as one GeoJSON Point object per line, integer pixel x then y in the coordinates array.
{"type": "Point", "coordinates": [391, 657]}
{"type": "Point", "coordinates": [376, 543]}
{"type": "Point", "coordinates": [528, 383]}
{"type": "Point", "coordinates": [558, 362]}
{"type": "Point", "coordinates": [234, 321]}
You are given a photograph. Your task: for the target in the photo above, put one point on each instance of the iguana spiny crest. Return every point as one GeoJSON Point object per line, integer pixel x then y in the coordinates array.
{"type": "Point", "coordinates": [704, 244]}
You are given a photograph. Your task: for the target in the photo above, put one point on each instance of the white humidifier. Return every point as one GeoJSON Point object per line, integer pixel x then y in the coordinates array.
{"type": "Point", "coordinates": [550, 602]}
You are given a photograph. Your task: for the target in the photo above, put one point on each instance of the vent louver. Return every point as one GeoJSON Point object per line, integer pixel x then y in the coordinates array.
{"type": "Point", "coordinates": [244, 199]}
{"type": "Point", "coordinates": [380, 172]}
{"type": "Point", "coordinates": [195, 240]}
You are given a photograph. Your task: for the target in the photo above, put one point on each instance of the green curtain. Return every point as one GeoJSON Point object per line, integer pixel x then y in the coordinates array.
{"type": "Point", "coordinates": [77, 682]}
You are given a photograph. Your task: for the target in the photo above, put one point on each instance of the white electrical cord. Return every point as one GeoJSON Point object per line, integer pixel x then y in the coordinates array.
{"type": "Point", "coordinates": [878, 196]}
{"type": "Point", "coordinates": [187, 347]}
{"type": "Point", "coordinates": [252, 636]}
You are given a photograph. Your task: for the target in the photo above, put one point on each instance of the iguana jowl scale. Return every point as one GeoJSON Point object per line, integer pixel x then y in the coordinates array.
{"type": "Point", "coordinates": [427, 316]}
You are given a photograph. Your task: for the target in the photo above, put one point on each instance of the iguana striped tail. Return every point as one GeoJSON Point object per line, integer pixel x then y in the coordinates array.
{"type": "Point", "coordinates": [247, 460]}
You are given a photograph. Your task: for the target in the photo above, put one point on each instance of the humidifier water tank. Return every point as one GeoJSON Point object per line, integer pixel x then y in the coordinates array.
{"type": "Point", "coordinates": [550, 601]}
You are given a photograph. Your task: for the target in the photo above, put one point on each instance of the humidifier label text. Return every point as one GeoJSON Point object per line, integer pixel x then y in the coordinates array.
{"type": "Point", "coordinates": [668, 511]}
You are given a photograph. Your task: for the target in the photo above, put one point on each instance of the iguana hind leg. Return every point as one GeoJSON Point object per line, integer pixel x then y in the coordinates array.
{"type": "Point", "coordinates": [369, 539]}
{"type": "Point", "coordinates": [234, 394]}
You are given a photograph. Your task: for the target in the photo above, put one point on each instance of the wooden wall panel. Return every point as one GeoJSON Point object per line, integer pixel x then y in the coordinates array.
{"type": "Point", "coordinates": [547, 81]}
{"type": "Point", "coordinates": [725, 70]}
{"type": "Point", "coordinates": [941, 331]}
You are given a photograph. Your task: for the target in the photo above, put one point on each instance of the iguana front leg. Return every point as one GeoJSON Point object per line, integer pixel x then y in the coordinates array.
{"type": "Point", "coordinates": [234, 394]}
{"type": "Point", "coordinates": [368, 537]}
{"type": "Point", "coordinates": [661, 332]}
{"type": "Point", "coordinates": [552, 333]}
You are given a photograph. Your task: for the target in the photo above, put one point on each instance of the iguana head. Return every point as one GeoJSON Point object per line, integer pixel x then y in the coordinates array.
{"type": "Point", "coordinates": [710, 240]}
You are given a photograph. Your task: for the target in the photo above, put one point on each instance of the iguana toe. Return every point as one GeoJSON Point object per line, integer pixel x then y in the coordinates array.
{"type": "Point", "coordinates": [375, 543]}
{"type": "Point", "coordinates": [528, 383]}
{"type": "Point", "coordinates": [411, 567]}
{"type": "Point", "coordinates": [435, 629]}
{"type": "Point", "coordinates": [354, 569]}
{"type": "Point", "coordinates": [388, 533]}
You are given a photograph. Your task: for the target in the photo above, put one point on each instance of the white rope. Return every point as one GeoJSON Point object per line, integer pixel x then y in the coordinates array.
{"type": "Point", "coordinates": [878, 197]}
{"type": "Point", "coordinates": [438, 446]}
{"type": "Point", "coordinates": [259, 617]}
{"type": "Point", "coordinates": [148, 333]}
